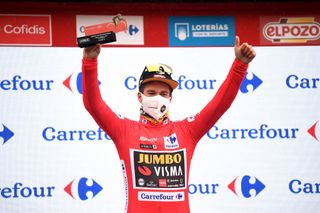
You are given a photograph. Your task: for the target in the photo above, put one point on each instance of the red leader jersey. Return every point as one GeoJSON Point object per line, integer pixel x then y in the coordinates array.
{"type": "Point", "coordinates": [156, 158]}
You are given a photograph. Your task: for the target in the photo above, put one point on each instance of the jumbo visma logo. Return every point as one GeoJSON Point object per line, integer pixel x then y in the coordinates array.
{"type": "Point", "coordinates": [78, 189]}
{"type": "Point", "coordinates": [74, 83]}
{"type": "Point", "coordinates": [244, 186]}
{"type": "Point", "coordinates": [6, 134]}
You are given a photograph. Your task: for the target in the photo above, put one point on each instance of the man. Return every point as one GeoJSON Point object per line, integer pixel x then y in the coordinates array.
{"type": "Point", "coordinates": [155, 152]}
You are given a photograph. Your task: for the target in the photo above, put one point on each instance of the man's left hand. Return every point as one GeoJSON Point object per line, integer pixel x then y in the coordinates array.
{"type": "Point", "coordinates": [244, 52]}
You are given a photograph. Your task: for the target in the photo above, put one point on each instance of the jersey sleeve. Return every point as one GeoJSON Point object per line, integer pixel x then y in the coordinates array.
{"type": "Point", "coordinates": [201, 123]}
{"type": "Point", "coordinates": [99, 110]}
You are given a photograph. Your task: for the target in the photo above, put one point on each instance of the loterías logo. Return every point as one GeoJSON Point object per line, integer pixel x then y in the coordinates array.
{"type": "Point", "coordinates": [78, 189]}
{"type": "Point", "coordinates": [6, 134]}
{"type": "Point", "coordinates": [313, 131]}
{"type": "Point", "coordinates": [74, 83]}
{"type": "Point", "coordinates": [245, 185]}
{"type": "Point", "coordinates": [250, 80]}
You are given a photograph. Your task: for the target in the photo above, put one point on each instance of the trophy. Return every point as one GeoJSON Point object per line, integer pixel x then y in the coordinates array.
{"type": "Point", "coordinates": [102, 33]}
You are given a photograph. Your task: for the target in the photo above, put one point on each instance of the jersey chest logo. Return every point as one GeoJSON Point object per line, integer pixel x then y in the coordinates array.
{"type": "Point", "coordinates": [171, 142]}
{"type": "Point", "coordinates": [159, 169]}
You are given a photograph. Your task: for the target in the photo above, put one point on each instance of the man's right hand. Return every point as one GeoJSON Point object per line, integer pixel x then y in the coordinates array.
{"type": "Point", "coordinates": [92, 51]}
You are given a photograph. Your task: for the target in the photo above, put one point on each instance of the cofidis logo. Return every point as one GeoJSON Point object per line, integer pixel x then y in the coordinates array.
{"type": "Point", "coordinates": [78, 188]}
{"type": "Point", "coordinates": [201, 31]}
{"type": "Point", "coordinates": [244, 186]}
{"type": "Point", "coordinates": [25, 30]}
{"type": "Point", "coordinates": [289, 30]}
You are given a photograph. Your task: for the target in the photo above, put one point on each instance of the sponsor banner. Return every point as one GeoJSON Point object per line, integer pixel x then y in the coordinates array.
{"type": "Point", "coordinates": [289, 30]}
{"type": "Point", "coordinates": [25, 30]}
{"type": "Point", "coordinates": [159, 169]}
{"type": "Point", "coordinates": [201, 31]}
{"type": "Point", "coordinates": [161, 196]}
{"type": "Point", "coordinates": [134, 35]}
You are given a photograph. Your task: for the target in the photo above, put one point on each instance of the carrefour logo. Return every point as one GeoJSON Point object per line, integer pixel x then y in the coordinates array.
{"type": "Point", "coordinates": [131, 83]}
{"type": "Point", "coordinates": [264, 131]}
{"type": "Point", "coordinates": [250, 80]}
{"type": "Point", "coordinates": [298, 82]}
{"type": "Point", "coordinates": [185, 83]}
{"type": "Point", "coordinates": [52, 134]}
{"type": "Point", "coordinates": [74, 83]}
{"type": "Point", "coordinates": [19, 190]}
{"type": "Point", "coordinates": [203, 188]}
{"type": "Point", "coordinates": [314, 131]}
{"type": "Point", "coordinates": [78, 189]}
{"type": "Point", "coordinates": [245, 185]}
{"type": "Point", "coordinates": [6, 134]}
{"type": "Point", "coordinates": [297, 186]}
{"type": "Point", "coordinates": [18, 83]}
{"type": "Point", "coordinates": [132, 29]}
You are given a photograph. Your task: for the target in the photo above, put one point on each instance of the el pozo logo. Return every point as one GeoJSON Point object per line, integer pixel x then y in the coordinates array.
{"type": "Point", "coordinates": [292, 30]}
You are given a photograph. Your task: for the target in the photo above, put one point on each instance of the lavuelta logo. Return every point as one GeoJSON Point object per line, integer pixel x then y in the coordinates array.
{"type": "Point", "coordinates": [243, 186]}
{"type": "Point", "coordinates": [313, 130]}
{"type": "Point", "coordinates": [78, 189]}
{"type": "Point", "coordinates": [74, 83]}
{"type": "Point", "coordinates": [292, 30]}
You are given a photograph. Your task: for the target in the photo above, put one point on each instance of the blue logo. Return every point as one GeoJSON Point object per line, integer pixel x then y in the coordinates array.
{"type": "Point", "coordinates": [201, 31]}
{"type": "Point", "coordinates": [254, 81]}
{"type": "Point", "coordinates": [21, 84]}
{"type": "Point", "coordinates": [132, 30]}
{"type": "Point", "coordinates": [57, 135]}
{"type": "Point", "coordinates": [18, 190]}
{"type": "Point", "coordinates": [263, 131]}
{"type": "Point", "coordinates": [171, 141]}
{"type": "Point", "coordinates": [82, 188]}
{"type": "Point", "coordinates": [179, 196]}
{"type": "Point", "coordinates": [297, 186]}
{"type": "Point", "coordinates": [6, 134]}
{"type": "Point", "coordinates": [74, 83]}
{"type": "Point", "coordinates": [246, 186]}
{"type": "Point", "coordinates": [203, 188]}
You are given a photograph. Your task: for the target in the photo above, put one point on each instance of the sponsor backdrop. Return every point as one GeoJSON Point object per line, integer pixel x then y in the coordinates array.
{"type": "Point", "coordinates": [261, 156]}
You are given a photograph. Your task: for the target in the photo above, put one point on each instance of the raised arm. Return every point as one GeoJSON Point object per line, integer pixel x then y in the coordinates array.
{"type": "Point", "coordinates": [92, 99]}
{"type": "Point", "coordinates": [226, 94]}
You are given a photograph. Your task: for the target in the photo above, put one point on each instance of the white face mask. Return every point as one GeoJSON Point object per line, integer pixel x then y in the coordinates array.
{"type": "Point", "coordinates": [156, 106]}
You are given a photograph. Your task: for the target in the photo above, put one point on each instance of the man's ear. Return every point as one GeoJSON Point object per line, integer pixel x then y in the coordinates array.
{"type": "Point", "coordinates": [139, 96]}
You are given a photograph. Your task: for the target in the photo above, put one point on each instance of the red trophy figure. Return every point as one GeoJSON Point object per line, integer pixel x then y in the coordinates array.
{"type": "Point", "coordinates": [102, 33]}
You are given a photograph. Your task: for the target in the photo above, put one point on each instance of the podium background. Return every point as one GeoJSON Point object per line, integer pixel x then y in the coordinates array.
{"type": "Point", "coordinates": [42, 154]}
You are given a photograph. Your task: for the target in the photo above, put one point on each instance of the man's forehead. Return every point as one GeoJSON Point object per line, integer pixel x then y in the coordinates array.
{"type": "Point", "coordinates": [156, 85]}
